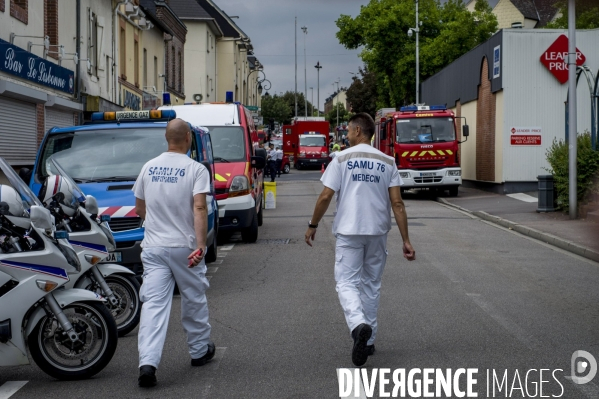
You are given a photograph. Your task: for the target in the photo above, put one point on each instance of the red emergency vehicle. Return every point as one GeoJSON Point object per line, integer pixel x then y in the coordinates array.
{"type": "Point", "coordinates": [307, 141]}
{"type": "Point", "coordinates": [423, 141]}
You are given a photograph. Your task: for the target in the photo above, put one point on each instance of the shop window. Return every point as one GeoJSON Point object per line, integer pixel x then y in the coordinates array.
{"type": "Point", "coordinates": [19, 9]}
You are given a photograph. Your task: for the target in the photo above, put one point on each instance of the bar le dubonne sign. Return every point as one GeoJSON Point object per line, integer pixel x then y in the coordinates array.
{"type": "Point", "coordinates": [30, 67]}
{"type": "Point", "coordinates": [555, 58]}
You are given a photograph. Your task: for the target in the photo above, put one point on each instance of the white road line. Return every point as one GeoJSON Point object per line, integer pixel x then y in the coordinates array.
{"type": "Point", "coordinates": [211, 270]}
{"type": "Point", "coordinates": [209, 278]}
{"type": "Point", "coordinates": [523, 197]}
{"type": "Point", "coordinates": [220, 255]}
{"type": "Point", "coordinates": [217, 262]}
{"type": "Point", "coordinates": [352, 393]}
{"type": "Point", "coordinates": [9, 388]}
{"type": "Point", "coordinates": [226, 247]}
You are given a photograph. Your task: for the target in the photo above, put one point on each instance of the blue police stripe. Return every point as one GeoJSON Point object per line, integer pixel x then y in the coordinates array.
{"type": "Point", "coordinates": [53, 271]}
{"type": "Point", "coordinates": [95, 247]}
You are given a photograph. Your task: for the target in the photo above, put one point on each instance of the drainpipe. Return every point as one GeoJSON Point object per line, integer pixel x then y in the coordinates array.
{"type": "Point", "coordinates": [78, 51]}
{"type": "Point", "coordinates": [115, 50]}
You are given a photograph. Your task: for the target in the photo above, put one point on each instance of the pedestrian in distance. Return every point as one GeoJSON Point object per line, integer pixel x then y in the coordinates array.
{"type": "Point", "coordinates": [173, 206]}
{"type": "Point", "coordinates": [279, 160]}
{"type": "Point", "coordinates": [272, 162]}
{"type": "Point", "coordinates": [368, 184]}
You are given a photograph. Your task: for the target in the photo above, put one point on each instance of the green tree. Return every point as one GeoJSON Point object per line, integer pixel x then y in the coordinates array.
{"type": "Point", "coordinates": [331, 117]}
{"type": "Point", "coordinates": [276, 108]}
{"type": "Point", "coordinates": [447, 32]}
{"type": "Point", "coordinates": [362, 94]}
{"type": "Point", "coordinates": [587, 15]}
{"type": "Point", "coordinates": [290, 101]}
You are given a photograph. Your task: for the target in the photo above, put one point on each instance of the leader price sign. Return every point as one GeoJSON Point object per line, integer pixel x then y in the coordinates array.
{"type": "Point", "coordinates": [555, 58]}
{"type": "Point", "coordinates": [525, 136]}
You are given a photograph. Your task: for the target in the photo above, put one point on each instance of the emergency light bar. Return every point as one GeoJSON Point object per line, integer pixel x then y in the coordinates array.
{"type": "Point", "coordinates": [414, 108]}
{"type": "Point", "coordinates": [133, 115]}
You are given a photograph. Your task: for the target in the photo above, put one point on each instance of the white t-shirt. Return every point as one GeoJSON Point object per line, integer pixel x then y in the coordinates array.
{"type": "Point", "coordinates": [279, 155]}
{"type": "Point", "coordinates": [361, 177]}
{"type": "Point", "coordinates": [168, 183]}
{"type": "Point", "coordinates": [272, 155]}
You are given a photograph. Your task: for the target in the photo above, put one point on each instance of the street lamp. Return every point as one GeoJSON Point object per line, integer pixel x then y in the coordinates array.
{"type": "Point", "coordinates": [305, 30]}
{"type": "Point", "coordinates": [410, 33]}
{"type": "Point", "coordinates": [318, 68]}
{"type": "Point", "coordinates": [258, 83]}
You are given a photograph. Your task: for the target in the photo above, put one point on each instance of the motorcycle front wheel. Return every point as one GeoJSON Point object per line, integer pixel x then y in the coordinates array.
{"type": "Point", "coordinates": [128, 309]}
{"type": "Point", "coordinates": [61, 358]}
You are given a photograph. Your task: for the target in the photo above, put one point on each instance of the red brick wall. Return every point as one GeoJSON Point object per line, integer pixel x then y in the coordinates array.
{"type": "Point", "coordinates": [485, 128]}
{"type": "Point", "coordinates": [458, 113]}
{"type": "Point", "coordinates": [51, 24]}
{"type": "Point", "coordinates": [19, 10]}
{"type": "Point", "coordinates": [41, 122]}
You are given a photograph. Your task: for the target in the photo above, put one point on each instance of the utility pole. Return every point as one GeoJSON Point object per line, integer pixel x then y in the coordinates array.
{"type": "Point", "coordinates": [572, 131]}
{"type": "Point", "coordinates": [295, 92]}
{"type": "Point", "coordinates": [312, 100]}
{"type": "Point", "coordinates": [337, 104]}
{"type": "Point", "coordinates": [318, 68]}
{"type": "Point", "coordinates": [305, 30]}
{"type": "Point", "coordinates": [417, 57]}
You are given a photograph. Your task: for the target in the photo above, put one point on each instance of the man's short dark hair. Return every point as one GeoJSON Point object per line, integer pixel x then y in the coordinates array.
{"type": "Point", "coordinates": [365, 122]}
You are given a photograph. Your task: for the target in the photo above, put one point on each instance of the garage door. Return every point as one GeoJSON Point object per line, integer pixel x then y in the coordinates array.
{"type": "Point", "coordinates": [56, 118]}
{"type": "Point", "coordinates": [18, 131]}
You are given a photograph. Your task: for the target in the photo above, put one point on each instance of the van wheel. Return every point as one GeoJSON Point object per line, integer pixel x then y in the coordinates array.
{"type": "Point", "coordinates": [286, 169]}
{"type": "Point", "coordinates": [212, 252]}
{"type": "Point", "coordinates": [250, 234]}
{"type": "Point", "coordinates": [260, 216]}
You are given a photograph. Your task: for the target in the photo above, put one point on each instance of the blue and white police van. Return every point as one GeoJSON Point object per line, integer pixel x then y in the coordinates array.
{"type": "Point", "coordinates": [105, 156]}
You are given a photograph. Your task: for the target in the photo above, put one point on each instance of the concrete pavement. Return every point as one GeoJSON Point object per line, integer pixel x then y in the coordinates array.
{"type": "Point", "coordinates": [518, 212]}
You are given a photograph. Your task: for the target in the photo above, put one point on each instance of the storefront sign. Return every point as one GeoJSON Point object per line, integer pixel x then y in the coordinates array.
{"type": "Point", "coordinates": [28, 66]}
{"type": "Point", "coordinates": [556, 58]}
{"type": "Point", "coordinates": [525, 136]}
{"type": "Point", "coordinates": [131, 100]}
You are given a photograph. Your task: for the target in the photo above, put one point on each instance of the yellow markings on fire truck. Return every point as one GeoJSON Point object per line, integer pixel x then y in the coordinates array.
{"type": "Point", "coordinates": [414, 153]}
{"type": "Point", "coordinates": [219, 177]}
{"type": "Point", "coordinates": [422, 153]}
{"type": "Point", "coordinates": [432, 153]}
{"type": "Point", "coordinates": [421, 115]}
{"type": "Point", "coordinates": [440, 152]}
{"type": "Point", "coordinates": [449, 152]}
{"type": "Point", "coordinates": [404, 154]}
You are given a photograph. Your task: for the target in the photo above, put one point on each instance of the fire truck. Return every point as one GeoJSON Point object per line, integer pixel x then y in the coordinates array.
{"type": "Point", "coordinates": [423, 141]}
{"type": "Point", "coordinates": [307, 141]}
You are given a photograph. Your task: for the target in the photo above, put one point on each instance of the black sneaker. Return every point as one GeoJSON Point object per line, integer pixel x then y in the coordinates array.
{"type": "Point", "coordinates": [361, 335]}
{"type": "Point", "coordinates": [147, 376]}
{"type": "Point", "coordinates": [206, 358]}
{"type": "Point", "coordinates": [370, 349]}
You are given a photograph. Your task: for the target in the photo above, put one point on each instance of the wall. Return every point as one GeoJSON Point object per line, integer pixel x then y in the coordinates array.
{"type": "Point", "coordinates": [534, 97]}
{"type": "Point", "coordinates": [153, 42]}
{"type": "Point", "coordinates": [226, 73]}
{"type": "Point", "coordinates": [507, 14]}
{"type": "Point", "coordinates": [468, 149]}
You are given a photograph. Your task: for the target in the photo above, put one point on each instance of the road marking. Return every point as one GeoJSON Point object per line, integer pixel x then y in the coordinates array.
{"type": "Point", "coordinates": [211, 270]}
{"type": "Point", "coordinates": [10, 388]}
{"type": "Point", "coordinates": [221, 255]}
{"type": "Point", "coordinates": [361, 386]}
{"type": "Point", "coordinates": [213, 365]}
{"type": "Point", "coordinates": [523, 197]}
{"type": "Point", "coordinates": [217, 262]}
{"type": "Point", "coordinates": [518, 332]}
{"type": "Point", "coordinates": [209, 278]}
{"type": "Point", "coordinates": [226, 247]}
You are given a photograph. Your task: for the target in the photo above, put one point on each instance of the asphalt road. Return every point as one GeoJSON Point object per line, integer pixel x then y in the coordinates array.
{"type": "Point", "coordinates": [477, 296]}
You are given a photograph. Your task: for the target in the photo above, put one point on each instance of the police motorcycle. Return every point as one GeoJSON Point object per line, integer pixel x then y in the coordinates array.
{"type": "Point", "coordinates": [92, 240]}
{"type": "Point", "coordinates": [70, 333]}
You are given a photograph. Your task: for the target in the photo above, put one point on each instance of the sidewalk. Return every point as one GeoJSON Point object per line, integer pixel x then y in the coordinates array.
{"type": "Point", "coordinates": [578, 236]}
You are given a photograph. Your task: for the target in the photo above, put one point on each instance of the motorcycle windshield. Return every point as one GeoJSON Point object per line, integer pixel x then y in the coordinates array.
{"type": "Point", "coordinates": [28, 199]}
{"type": "Point", "coordinates": [54, 167]}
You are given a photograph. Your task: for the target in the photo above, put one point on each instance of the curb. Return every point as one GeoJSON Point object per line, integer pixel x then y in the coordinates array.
{"type": "Point", "coordinates": [530, 232]}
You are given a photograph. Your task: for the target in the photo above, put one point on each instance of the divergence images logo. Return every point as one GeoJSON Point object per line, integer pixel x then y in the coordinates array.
{"type": "Point", "coordinates": [583, 362]}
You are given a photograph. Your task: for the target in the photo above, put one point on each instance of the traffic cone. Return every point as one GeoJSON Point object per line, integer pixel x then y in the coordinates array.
{"type": "Point", "coordinates": [322, 168]}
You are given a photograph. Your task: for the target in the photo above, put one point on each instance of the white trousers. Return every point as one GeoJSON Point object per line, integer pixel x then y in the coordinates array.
{"type": "Point", "coordinates": [359, 264]}
{"type": "Point", "coordinates": [162, 267]}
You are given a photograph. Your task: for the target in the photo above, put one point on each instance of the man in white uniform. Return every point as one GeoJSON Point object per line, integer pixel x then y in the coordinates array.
{"type": "Point", "coordinates": [367, 183]}
{"type": "Point", "coordinates": [171, 197]}
{"type": "Point", "coordinates": [279, 160]}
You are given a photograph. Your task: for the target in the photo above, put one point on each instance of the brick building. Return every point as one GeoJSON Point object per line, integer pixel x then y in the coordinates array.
{"type": "Point", "coordinates": [513, 103]}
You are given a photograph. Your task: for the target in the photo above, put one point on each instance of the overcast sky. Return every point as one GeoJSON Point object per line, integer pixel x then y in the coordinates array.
{"type": "Point", "coordinates": [270, 24]}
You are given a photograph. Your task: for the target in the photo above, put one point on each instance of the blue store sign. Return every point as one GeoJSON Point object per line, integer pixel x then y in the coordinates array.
{"type": "Point", "coordinates": [23, 64]}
